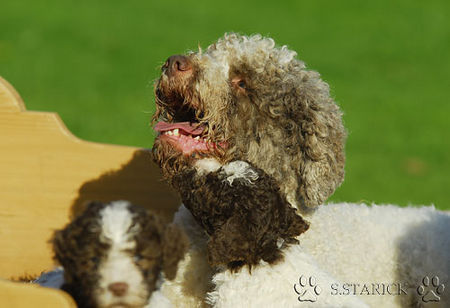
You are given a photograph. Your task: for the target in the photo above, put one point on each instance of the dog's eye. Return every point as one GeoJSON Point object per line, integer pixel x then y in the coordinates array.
{"type": "Point", "coordinates": [239, 83]}
{"type": "Point", "coordinates": [95, 259]}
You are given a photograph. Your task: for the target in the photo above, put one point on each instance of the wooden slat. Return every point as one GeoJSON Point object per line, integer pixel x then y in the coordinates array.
{"type": "Point", "coordinates": [21, 295]}
{"type": "Point", "coordinates": [47, 174]}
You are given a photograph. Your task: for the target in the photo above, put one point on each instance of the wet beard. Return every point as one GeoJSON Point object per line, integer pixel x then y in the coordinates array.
{"type": "Point", "coordinates": [170, 160]}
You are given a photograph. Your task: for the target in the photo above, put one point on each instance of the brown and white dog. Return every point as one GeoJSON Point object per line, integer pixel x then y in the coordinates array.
{"type": "Point", "coordinates": [117, 255]}
{"type": "Point", "coordinates": [245, 99]}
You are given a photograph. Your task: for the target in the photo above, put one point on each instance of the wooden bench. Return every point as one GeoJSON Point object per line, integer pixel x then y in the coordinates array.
{"type": "Point", "coordinates": [46, 176]}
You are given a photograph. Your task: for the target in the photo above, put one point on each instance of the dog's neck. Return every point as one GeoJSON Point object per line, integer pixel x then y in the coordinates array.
{"type": "Point", "coordinates": [208, 165]}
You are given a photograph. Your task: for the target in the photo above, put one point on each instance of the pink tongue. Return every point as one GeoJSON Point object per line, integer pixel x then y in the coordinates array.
{"type": "Point", "coordinates": [186, 126]}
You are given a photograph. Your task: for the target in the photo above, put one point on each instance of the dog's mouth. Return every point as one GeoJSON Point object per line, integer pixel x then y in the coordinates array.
{"type": "Point", "coordinates": [187, 137]}
{"type": "Point", "coordinates": [183, 127]}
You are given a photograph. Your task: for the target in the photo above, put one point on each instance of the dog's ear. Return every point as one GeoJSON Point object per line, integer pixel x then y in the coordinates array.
{"type": "Point", "coordinates": [70, 242]}
{"type": "Point", "coordinates": [63, 247]}
{"type": "Point", "coordinates": [317, 137]}
{"type": "Point", "coordinates": [299, 133]}
{"type": "Point", "coordinates": [59, 246]}
{"type": "Point", "coordinates": [174, 244]}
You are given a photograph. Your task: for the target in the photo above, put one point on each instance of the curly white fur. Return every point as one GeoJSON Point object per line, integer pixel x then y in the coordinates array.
{"type": "Point", "coordinates": [346, 244]}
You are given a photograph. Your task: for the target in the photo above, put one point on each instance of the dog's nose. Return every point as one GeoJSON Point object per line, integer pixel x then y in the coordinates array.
{"type": "Point", "coordinates": [118, 288]}
{"type": "Point", "coordinates": [177, 64]}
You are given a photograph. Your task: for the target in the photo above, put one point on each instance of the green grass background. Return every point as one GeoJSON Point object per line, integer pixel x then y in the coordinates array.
{"type": "Point", "coordinates": [387, 62]}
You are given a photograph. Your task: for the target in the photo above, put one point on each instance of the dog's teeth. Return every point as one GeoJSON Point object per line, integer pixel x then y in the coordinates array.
{"type": "Point", "coordinates": [197, 138]}
{"type": "Point", "coordinates": [176, 132]}
{"type": "Point", "coordinates": [170, 133]}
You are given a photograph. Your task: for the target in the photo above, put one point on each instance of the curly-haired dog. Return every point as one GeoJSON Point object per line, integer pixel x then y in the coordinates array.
{"type": "Point", "coordinates": [242, 210]}
{"type": "Point", "coordinates": [244, 98]}
{"type": "Point", "coordinates": [114, 255]}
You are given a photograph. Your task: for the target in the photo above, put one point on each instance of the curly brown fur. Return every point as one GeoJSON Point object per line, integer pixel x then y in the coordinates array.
{"type": "Point", "coordinates": [255, 102]}
{"type": "Point", "coordinates": [95, 257]}
{"type": "Point", "coordinates": [247, 218]}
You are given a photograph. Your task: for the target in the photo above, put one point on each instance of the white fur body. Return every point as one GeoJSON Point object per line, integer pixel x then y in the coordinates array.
{"type": "Point", "coordinates": [158, 300]}
{"type": "Point", "coordinates": [117, 230]}
{"type": "Point", "coordinates": [346, 244]}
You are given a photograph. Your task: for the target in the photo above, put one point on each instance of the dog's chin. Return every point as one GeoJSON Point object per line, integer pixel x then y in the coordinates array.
{"type": "Point", "coordinates": [181, 143]}
{"type": "Point", "coordinates": [170, 160]}
{"type": "Point", "coordinates": [131, 301]}
{"type": "Point", "coordinates": [174, 156]}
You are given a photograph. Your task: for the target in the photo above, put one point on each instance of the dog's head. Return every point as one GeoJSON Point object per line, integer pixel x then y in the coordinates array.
{"type": "Point", "coordinates": [113, 254]}
{"type": "Point", "coordinates": [244, 98]}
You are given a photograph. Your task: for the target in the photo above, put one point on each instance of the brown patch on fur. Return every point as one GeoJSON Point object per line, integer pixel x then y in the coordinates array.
{"type": "Point", "coordinates": [244, 220]}
{"type": "Point", "coordinates": [267, 107]}
{"type": "Point", "coordinates": [80, 251]}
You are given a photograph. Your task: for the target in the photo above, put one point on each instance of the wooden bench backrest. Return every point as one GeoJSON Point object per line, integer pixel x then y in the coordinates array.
{"type": "Point", "coordinates": [47, 175]}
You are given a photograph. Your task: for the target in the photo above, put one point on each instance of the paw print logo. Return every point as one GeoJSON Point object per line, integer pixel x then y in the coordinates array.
{"type": "Point", "coordinates": [307, 289]}
{"type": "Point", "coordinates": [430, 292]}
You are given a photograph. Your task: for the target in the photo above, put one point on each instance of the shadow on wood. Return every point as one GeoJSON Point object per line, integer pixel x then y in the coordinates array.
{"type": "Point", "coordinates": [137, 181]}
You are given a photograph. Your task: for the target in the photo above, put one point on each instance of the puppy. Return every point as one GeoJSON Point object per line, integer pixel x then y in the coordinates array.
{"type": "Point", "coordinates": [117, 254]}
